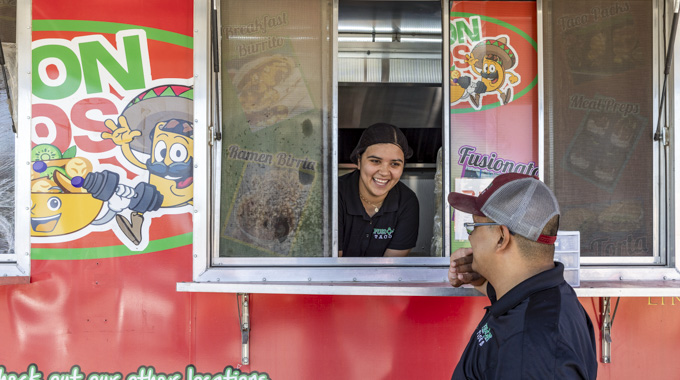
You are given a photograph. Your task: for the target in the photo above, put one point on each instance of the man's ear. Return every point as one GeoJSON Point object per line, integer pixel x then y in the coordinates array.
{"type": "Point", "coordinates": [504, 240]}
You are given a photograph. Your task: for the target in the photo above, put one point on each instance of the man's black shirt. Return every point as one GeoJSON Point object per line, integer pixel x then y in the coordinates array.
{"type": "Point", "coordinates": [538, 330]}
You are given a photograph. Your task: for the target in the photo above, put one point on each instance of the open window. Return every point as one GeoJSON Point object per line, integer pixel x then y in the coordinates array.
{"type": "Point", "coordinates": [284, 94]}
{"type": "Point", "coordinates": [14, 137]}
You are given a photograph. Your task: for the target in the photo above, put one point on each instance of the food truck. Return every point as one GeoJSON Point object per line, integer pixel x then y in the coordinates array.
{"type": "Point", "coordinates": [169, 175]}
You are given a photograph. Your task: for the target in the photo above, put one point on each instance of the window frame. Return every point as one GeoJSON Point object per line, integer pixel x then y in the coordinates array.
{"type": "Point", "coordinates": [415, 278]}
{"type": "Point", "coordinates": [206, 268]}
{"type": "Point", "coordinates": [17, 266]}
{"type": "Point", "coordinates": [662, 265]}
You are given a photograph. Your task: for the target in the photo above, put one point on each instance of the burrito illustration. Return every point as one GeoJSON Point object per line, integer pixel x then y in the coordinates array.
{"type": "Point", "coordinates": [270, 90]}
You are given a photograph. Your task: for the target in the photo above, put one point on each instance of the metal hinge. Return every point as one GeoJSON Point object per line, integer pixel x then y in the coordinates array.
{"type": "Point", "coordinates": [243, 300]}
{"type": "Point", "coordinates": [607, 321]}
{"type": "Point", "coordinates": [666, 136]}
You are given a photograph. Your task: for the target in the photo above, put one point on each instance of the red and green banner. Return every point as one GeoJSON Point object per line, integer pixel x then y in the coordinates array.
{"type": "Point", "coordinates": [112, 137]}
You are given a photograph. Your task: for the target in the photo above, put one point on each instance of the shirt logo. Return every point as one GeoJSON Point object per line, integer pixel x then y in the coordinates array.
{"type": "Point", "coordinates": [484, 335]}
{"type": "Point", "coordinates": [383, 233]}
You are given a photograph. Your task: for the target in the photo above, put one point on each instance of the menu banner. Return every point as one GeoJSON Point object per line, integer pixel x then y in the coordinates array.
{"type": "Point", "coordinates": [112, 138]}
{"type": "Point", "coordinates": [274, 76]}
{"type": "Point", "coordinates": [599, 112]}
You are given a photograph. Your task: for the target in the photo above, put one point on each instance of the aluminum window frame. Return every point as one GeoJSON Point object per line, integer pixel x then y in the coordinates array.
{"type": "Point", "coordinates": [16, 267]}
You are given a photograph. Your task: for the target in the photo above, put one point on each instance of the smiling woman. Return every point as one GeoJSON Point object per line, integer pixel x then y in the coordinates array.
{"type": "Point", "coordinates": [378, 215]}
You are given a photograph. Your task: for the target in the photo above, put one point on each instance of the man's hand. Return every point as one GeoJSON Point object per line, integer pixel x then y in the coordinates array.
{"type": "Point", "coordinates": [120, 134]}
{"type": "Point", "coordinates": [460, 270]}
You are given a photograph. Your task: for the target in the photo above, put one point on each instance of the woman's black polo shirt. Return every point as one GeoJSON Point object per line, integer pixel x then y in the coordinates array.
{"type": "Point", "coordinates": [394, 226]}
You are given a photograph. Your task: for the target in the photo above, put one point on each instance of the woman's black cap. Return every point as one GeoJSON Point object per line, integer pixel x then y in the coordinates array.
{"type": "Point", "coordinates": [381, 133]}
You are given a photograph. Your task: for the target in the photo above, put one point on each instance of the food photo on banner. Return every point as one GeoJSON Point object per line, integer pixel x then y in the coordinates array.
{"type": "Point", "coordinates": [602, 165]}
{"type": "Point", "coordinates": [271, 169]}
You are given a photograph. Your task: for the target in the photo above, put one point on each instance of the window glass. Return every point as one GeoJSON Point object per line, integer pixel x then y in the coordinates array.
{"type": "Point", "coordinates": [276, 85]}
{"type": "Point", "coordinates": [493, 96]}
{"type": "Point", "coordinates": [599, 65]}
{"type": "Point", "coordinates": [7, 136]}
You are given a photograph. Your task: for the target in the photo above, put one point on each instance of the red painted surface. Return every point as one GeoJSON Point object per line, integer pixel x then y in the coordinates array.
{"type": "Point", "coordinates": [115, 315]}
{"type": "Point", "coordinates": [171, 15]}
{"type": "Point", "coordinates": [104, 315]}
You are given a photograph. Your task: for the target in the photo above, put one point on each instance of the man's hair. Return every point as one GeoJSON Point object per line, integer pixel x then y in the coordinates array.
{"type": "Point", "coordinates": [535, 251]}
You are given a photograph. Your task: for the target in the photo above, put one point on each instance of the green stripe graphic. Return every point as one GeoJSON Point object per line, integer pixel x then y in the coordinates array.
{"type": "Point", "coordinates": [108, 252]}
{"type": "Point", "coordinates": [111, 28]}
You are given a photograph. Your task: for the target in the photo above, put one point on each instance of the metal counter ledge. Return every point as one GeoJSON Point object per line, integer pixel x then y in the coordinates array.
{"type": "Point", "coordinates": [668, 288]}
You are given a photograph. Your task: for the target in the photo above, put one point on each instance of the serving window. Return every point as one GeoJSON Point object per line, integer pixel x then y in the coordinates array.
{"type": "Point", "coordinates": [297, 84]}
{"type": "Point", "coordinates": [283, 95]}
{"type": "Point", "coordinates": [276, 83]}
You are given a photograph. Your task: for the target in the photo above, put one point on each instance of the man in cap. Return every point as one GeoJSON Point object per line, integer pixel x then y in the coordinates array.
{"type": "Point", "coordinates": [378, 215]}
{"type": "Point", "coordinates": [535, 327]}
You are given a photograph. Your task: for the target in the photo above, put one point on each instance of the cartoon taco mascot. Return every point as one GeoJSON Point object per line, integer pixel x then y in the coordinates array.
{"type": "Point", "coordinates": [156, 134]}
{"type": "Point", "coordinates": [491, 60]}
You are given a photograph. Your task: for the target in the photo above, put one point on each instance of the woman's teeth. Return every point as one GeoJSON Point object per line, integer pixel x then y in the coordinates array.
{"type": "Point", "coordinates": [381, 182]}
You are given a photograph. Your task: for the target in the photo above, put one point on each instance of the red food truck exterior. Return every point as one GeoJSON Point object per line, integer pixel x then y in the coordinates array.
{"type": "Point", "coordinates": [102, 300]}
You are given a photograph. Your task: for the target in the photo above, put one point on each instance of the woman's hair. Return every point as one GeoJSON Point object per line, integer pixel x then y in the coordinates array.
{"type": "Point", "coordinates": [381, 133]}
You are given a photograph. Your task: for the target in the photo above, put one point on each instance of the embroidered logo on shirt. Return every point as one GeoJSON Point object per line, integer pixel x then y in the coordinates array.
{"type": "Point", "coordinates": [484, 335]}
{"type": "Point", "coordinates": [383, 233]}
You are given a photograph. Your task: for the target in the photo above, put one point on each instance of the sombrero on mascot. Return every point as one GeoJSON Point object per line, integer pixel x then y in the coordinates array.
{"type": "Point", "coordinates": [161, 103]}
{"type": "Point", "coordinates": [498, 48]}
